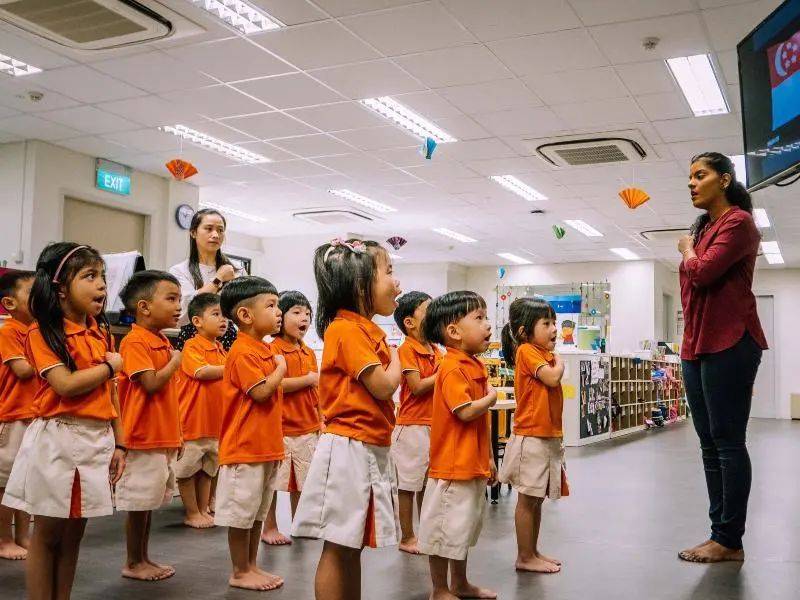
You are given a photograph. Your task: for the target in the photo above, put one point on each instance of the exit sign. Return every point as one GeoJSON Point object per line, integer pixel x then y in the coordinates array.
{"type": "Point", "coordinates": [113, 177]}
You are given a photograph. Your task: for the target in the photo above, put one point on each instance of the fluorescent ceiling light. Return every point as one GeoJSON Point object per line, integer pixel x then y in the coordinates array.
{"type": "Point", "coordinates": [772, 253]}
{"type": "Point", "coordinates": [454, 235]}
{"type": "Point", "coordinates": [512, 184]}
{"type": "Point", "coordinates": [363, 200]}
{"type": "Point", "coordinates": [740, 166]}
{"type": "Point", "coordinates": [514, 258]}
{"type": "Point", "coordinates": [215, 145]}
{"type": "Point", "coordinates": [584, 228]}
{"type": "Point", "coordinates": [16, 68]}
{"type": "Point", "coordinates": [240, 15]}
{"type": "Point", "coordinates": [761, 218]}
{"type": "Point", "coordinates": [698, 82]}
{"type": "Point", "coordinates": [625, 253]}
{"type": "Point", "coordinates": [774, 259]}
{"type": "Point", "coordinates": [407, 119]}
{"type": "Point", "coordinates": [233, 211]}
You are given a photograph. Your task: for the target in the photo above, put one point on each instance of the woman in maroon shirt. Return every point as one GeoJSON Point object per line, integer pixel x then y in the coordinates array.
{"type": "Point", "coordinates": [722, 345]}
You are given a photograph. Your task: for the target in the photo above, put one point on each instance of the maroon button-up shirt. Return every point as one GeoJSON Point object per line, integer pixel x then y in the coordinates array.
{"type": "Point", "coordinates": [716, 287]}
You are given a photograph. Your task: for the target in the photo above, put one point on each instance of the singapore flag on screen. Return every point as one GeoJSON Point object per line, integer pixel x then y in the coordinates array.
{"type": "Point", "coordinates": [784, 75]}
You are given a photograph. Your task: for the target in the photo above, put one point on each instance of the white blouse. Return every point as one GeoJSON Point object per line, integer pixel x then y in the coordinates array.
{"type": "Point", "coordinates": [188, 291]}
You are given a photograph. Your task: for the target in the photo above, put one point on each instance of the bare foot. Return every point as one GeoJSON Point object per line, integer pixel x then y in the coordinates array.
{"type": "Point", "coordinates": [712, 553]}
{"type": "Point", "coordinates": [472, 591]}
{"type": "Point", "coordinates": [410, 546]}
{"type": "Point", "coordinates": [209, 517]}
{"type": "Point", "coordinates": [273, 537]}
{"type": "Point", "coordinates": [693, 548]}
{"type": "Point", "coordinates": [537, 565]}
{"type": "Point", "coordinates": [169, 570]}
{"type": "Point", "coordinates": [12, 551]}
{"type": "Point", "coordinates": [198, 521]}
{"type": "Point", "coordinates": [555, 561]}
{"type": "Point", "coordinates": [442, 595]}
{"type": "Point", "coordinates": [146, 572]}
{"type": "Point", "coordinates": [253, 580]}
{"type": "Point", "coordinates": [276, 578]}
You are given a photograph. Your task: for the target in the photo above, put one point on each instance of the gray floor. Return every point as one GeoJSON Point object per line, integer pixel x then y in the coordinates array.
{"type": "Point", "coordinates": [635, 503]}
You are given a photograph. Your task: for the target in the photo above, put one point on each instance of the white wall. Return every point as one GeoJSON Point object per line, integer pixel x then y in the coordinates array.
{"type": "Point", "coordinates": [666, 282]}
{"type": "Point", "coordinates": [12, 192]}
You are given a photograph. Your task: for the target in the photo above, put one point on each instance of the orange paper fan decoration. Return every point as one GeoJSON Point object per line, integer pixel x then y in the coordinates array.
{"type": "Point", "coordinates": [181, 169]}
{"type": "Point", "coordinates": [634, 197]}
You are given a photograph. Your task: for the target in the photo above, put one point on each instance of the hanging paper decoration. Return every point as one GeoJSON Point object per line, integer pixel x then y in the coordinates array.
{"type": "Point", "coordinates": [501, 272]}
{"type": "Point", "coordinates": [396, 242]}
{"type": "Point", "coordinates": [633, 197]}
{"type": "Point", "coordinates": [503, 297]}
{"type": "Point", "coordinates": [181, 169]}
{"type": "Point", "coordinates": [427, 148]}
{"type": "Point", "coordinates": [559, 232]}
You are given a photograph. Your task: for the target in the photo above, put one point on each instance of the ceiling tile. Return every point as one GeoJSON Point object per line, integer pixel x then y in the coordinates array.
{"type": "Point", "coordinates": [34, 128]}
{"type": "Point", "coordinates": [728, 25]}
{"type": "Point", "coordinates": [93, 146]}
{"type": "Point", "coordinates": [309, 146]}
{"type": "Point", "coordinates": [149, 110]}
{"type": "Point", "coordinates": [571, 86]}
{"type": "Point", "coordinates": [368, 79]}
{"type": "Point", "coordinates": [353, 165]}
{"type": "Point", "coordinates": [664, 106]}
{"type": "Point", "coordinates": [684, 151]}
{"type": "Point", "coordinates": [221, 131]}
{"type": "Point", "coordinates": [154, 72]}
{"type": "Point", "coordinates": [230, 60]}
{"type": "Point", "coordinates": [14, 94]}
{"type": "Point", "coordinates": [505, 166]}
{"type": "Point", "coordinates": [377, 138]}
{"type": "Point", "coordinates": [216, 102]}
{"type": "Point", "coordinates": [25, 49]}
{"type": "Point", "coordinates": [339, 8]}
{"type": "Point", "coordinates": [698, 128]}
{"type": "Point", "coordinates": [429, 104]}
{"type": "Point", "coordinates": [454, 66]}
{"type": "Point", "coordinates": [534, 121]}
{"type": "Point", "coordinates": [729, 63]}
{"type": "Point", "coordinates": [510, 18]}
{"type": "Point", "coordinates": [146, 141]}
{"type": "Point", "coordinates": [268, 125]}
{"type": "Point", "coordinates": [549, 52]}
{"type": "Point", "coordinates": [336, 117]}
{"type": "Point", "coordinates": [86, 85]}
{"type": "Point", "coordinates": [7, 112]}
{"type": "Point", "coordinates": [651, 77]}
{"type": "Point", "coordinates": [462, 127]}
{"type": "Point", "coordinates": [289, 91]}
{"type": "Point", "coordinates": [291, 12]}
{"type": "Point", "coordinates": [491, 96]}
{"type": "Point", "coordinates": [297, 168]}
{"type": "Point", "coordinates": [390, 31]}
{"type": "Point", "coordinates": [89, 119]}
{"type": "Point", "coordinates": [475, 150]}
{"type": "Point", "coordinates": [301, 45]}
{"type": "Point", "coordinates": [269, 150]}
{"type": "Point", "coordinates": [596, 12]}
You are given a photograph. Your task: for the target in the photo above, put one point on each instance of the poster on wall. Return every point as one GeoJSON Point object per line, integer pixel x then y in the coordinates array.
{"type": "Point", "coordinates": [595, 419]}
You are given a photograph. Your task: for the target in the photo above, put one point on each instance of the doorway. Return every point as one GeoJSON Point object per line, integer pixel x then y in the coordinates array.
{"type": "Point", "coordinates": [109, 230]}
{"type": "Point", "coordinates": [764, 405]}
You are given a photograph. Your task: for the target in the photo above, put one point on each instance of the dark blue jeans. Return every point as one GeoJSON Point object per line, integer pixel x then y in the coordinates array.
{"type": "Point", "coordinates": [719, 389]}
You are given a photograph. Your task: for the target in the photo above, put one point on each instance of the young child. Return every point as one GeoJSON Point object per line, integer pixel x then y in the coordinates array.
{"type": "Point", "coordinates": [68, 461]}
{"type": "Point", "coordinates": [301, 417]}
{"type": "Point", "coordinates": [150, 420]}
{"type": "Point", "coordinates": [461, 456]}
{"type": "Point", "coordinates": [534, 456]}
{"type": "Point", "coordinates": [411, 440]}
{"type": "Point", "coordinates": [18, 386]}
{"type": "Point", "coordinates": [251, 442]}
{"type": "Point", "coordinates": [350, 496]}
{"type": "Point", "coordinates": [199, 389]}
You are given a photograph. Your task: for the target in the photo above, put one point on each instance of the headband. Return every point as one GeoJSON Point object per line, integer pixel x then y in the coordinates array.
{"type": "Point", "coordinates": [357, 247]}
{"type": "Point", "coordinates": [64, 260]}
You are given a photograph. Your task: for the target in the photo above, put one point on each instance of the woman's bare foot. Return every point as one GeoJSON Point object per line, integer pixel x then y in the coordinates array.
{"type": "Point", "coordinates": [169, 570]}
{"type": "Point", "coordinates": [253, 580]}
{"type": "Point", "coordinates": [555, 561]}
{"type": "Point", "coordinates": [12, 551]}
{"type": "Point", "coordinates": [442, 595]}
{"type": "Point", "coordinates": [472, 591]}
{"type": "Point", "coordinates": [712, 552]}
{"type": "Point", "coordinates": [537, 565]}
{"type": "Point", "coordinates": [146, 572]}
{"type": "Point", "coordinates": [410, 546]}
{"type": "Point", "coordinates": [198, 521]}
{"type": "Point", "coordinates": [273, 537]}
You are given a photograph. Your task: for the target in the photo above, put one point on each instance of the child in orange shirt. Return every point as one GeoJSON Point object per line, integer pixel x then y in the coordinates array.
{"type": "Point", "coordinates": [18, 386]}
{"type": "Point", "coordinates": [301, 420]}
{"type": "Point", "coordinates": [67, 462]}
{"type": "Point", "coordinates": [251, 442]}
{"type": "Point", "coordinates": [350, 495]}
{"type": "Point", "coordinates": [534, 458]}
{"type": "Point", "coordinates": [461, 458]}
{"type": "Point", "coordinates": [150, 420]}
{"type": "Point", "coordinates": [199, 389]}
{"type": "Point", "coordinates": [411, 439]}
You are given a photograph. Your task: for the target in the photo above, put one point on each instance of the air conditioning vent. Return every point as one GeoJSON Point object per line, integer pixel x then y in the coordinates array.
{"type": "Point", "coordinates": [87, 24]}
{"type": "Point", "coordinates": [664, 236]}
{"type": "Point", "coordinates": [329, 217]}
{"type": "Point", "coordinates": [600, 149]}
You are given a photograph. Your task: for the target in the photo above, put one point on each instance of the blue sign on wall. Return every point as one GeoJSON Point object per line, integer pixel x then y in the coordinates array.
{"type": "Point", "coordinates": [113, 177]}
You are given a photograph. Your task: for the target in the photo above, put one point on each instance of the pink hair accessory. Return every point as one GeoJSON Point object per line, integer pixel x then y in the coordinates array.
{"type": "Point", "coordinates": [64, 261]}
{"type": "Point", "coordinates": [358, 247]}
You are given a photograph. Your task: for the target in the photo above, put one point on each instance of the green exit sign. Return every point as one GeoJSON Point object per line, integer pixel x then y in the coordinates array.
{"type": "Point", "coordinates": [113, 177]}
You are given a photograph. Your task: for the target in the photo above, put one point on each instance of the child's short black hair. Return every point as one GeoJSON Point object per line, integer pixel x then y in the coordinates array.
{"type": "Point", "coordinates": [201, 302]}
{"type": "Point", "coordinates": [523, 314]}
{"type": "Point", "coordinates": [241, 290]}
{"type": "Point", "coordinates": [9, 281]}
{"type": "Point", "coordinates": [406, 305]}
{"type": "Point", "coordinates": [288, 299]}
{"type": "Point", "coordinates": [447, 309]}
{"type": "Point", "coordinates": [142, 285]}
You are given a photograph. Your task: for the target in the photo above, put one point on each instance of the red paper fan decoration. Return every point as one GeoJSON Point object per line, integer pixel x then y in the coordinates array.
{"type": "Point", "coordinates": [181, 169]}
{"type": "Point", "coordinates": [634, 197]}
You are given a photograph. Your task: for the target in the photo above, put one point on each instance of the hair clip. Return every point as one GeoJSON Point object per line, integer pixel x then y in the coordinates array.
{"type": "Point", "coordinates": [64, 261]}
{"type": "Point", "coordinates": [357, 247]}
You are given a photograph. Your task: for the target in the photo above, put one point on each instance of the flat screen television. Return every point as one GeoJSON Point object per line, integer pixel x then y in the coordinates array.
{"type": "Point", "coordinates": [769, 80]}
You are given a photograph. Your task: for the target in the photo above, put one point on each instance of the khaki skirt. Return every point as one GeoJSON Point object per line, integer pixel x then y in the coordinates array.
{"type": "Point", "coordinates": [535, 466]}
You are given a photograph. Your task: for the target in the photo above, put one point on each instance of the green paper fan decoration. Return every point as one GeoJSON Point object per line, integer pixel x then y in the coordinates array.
{"type": "Point", "coordinates": [559, 232]}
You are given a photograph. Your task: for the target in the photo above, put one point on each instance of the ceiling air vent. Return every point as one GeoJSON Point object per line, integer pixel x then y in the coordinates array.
{"type": "Point", "coordinates": [88, 24]}
{"type": "Point", "coordinates": [663, 236]}
{"type": "Point", "coordinates": [599, 149]}
{"type": "Point", "coordinates": [337, 217]}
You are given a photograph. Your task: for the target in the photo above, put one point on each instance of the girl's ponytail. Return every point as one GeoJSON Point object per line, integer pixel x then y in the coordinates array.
{"type": "Point", "coordinates": [509, 344]}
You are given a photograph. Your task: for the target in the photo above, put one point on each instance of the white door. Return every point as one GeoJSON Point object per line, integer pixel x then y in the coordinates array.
{"type": "Point", "coordinates": [764, 389]}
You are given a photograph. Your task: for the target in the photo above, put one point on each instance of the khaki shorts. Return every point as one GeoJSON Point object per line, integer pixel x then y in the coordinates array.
{"type": "Point", "coordinates": [535, 466]}
{"type": "Point", "coordinates": [11, 434]}
{"type": "Point", "coordinates": [244, 493]}
{"type": "Point", "coordinates": [198, 455]}
{"type": "Point", "coordinates": [61, 469]}
{"type": "Point", "coordinates": [451, 518]}
{"type": "Point", "coordinates": [350, 495]}
{"type": "Point", "coordinates": [411, 453]}
{"type": "Point", "coordinates": [294, 468]}
{"type": "Point", "coordinates": [148, 481]}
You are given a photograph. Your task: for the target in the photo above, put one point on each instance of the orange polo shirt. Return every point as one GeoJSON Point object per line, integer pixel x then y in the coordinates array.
{"type": "Point", "coordinates": [87, 346]}
{"type": "Point", "coordinates": [16, 395]}
{"type": "Point", "coordinates": [539, 407]}
{"type": "Point", "coordinates": [414, 356]}
{"type": "Point", "coordinates": [300, 408]}
{"type": "Point", "coordinates": [200, 401]}
{"type": "Point", "coordinates": [149, 421]}
{"type": "Point", "coordinates": [251, 431]}
{"type": "Point", "coordinates": [351, 344]}
{"type": "Point", "coordinates": [459, 449]}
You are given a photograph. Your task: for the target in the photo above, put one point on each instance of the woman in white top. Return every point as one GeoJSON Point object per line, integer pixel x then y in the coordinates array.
{"type": "Point", "coordinates": [207, 269]}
